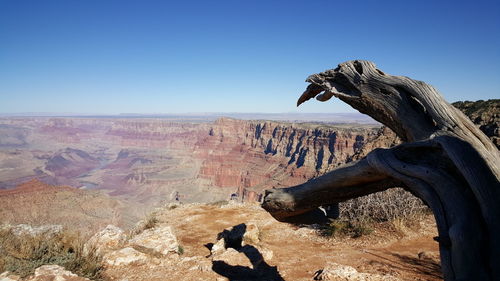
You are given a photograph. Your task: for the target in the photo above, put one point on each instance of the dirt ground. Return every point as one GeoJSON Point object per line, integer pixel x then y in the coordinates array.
{"type": "Point", "coordinates": [298, 252]}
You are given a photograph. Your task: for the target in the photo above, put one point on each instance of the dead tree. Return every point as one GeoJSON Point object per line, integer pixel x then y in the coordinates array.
{"type": "Point", "coordinates": [444, 159]}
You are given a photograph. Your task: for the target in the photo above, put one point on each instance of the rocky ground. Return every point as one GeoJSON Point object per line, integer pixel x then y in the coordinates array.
{"type": "Point", "coordinates": [243, 242]}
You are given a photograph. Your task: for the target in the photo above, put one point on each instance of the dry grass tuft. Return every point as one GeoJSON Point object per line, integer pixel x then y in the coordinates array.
{"type": "Point", "coordinates": [396, 207]}
{"type": "Point", "coordinates": [151, 221]}
{"type": "Point", "coordinates": [22, 254]}
{"type": "Point", "coordinates": [219, 203]}
{"type": "Point", "coordinates": [344, 228]}
{"type": "Point", "coordinates": [384, 206]}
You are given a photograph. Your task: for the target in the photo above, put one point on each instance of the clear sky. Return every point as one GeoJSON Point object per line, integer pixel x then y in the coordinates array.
{"type": "Point", "coordinates": [109, 57]}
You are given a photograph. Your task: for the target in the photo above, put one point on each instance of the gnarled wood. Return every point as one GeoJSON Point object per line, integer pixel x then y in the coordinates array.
{"type": "Point", "coordinates": [445, 160]}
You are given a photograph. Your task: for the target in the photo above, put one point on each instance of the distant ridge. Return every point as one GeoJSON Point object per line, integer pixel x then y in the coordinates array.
{"type": "Point", "coordinates": [347, 117]}
{"type": "Point", "coordinates": [35, 202]}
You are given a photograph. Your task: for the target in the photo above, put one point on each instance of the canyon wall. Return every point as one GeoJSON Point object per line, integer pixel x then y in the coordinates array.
{"type": "Point", "coordinates": [156, 158]}
{"type": "Point", "coordinates": [145, 162]}
{"type": "Point", "coordinates": [250, 156]}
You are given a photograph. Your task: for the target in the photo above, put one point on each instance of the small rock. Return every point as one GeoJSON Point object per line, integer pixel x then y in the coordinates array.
{"type": "Point", "coordinates": [110, 238]}
{"type": "Point", "coordinates": [198, 263]}
{"type": "Point", "coordinates": [251, 235]}
{"type": "Point", "coordinates": [25, 229]}
{"type": "Point", "coordinates": [7, 276]}
{"type": "Point", "coordinates": [240, 235]}
{"type": "Point", "coordinates": [159, 240]}
{"type": "Point", "coordinates": [54, 272]}
{"type": "Point", "coordinates": [218, 248]}
{"type": "Point", "coordinates": [233, 236]}
{"type": "Point", "coordinates": [427, 256]}
{"type": "Point", "coordinates": [338, 272]}
{"type": "Point", "coordinates": [233, 258]}
{"type": "Point", "coordinates": [124, 257]}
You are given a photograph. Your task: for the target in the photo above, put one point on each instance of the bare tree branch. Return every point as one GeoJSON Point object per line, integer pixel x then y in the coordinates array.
{"type": "Point", "coordinates": [447, 162]}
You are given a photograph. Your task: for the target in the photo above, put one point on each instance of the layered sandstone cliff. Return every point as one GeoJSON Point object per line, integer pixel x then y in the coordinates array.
{"type": "Point", "coordinates": [251, 156]}
{"type": "Point", "coordinates": [152, 159]}
{"type": "Point", "coordinates": [162, 159]}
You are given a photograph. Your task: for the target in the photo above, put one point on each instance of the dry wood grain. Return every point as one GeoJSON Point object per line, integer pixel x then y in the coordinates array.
{"type": "Point", "coordinates": [445, 160]}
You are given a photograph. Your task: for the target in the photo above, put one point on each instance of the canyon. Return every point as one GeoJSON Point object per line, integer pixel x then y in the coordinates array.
{"type": "Point", "coordinates": [134, 164]}
{"type": "Point", "coordinates": [145, 162]}
{"type": "Point", "coordinates": [183, 178]}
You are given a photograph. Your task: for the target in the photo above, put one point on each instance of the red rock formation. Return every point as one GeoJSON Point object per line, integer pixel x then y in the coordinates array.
{"type": "Point", "coordinates": [154, 133]}
{"type": "Point", "coordinates": [233, 156]}
{"type": "Point", "coordinates": [37, 203]}
{"type": "Point", "coordinates": [251, 156]}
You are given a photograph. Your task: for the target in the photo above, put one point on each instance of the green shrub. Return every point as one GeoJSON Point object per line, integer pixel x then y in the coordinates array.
{"type": "Point", "coordinates": [180, 250]}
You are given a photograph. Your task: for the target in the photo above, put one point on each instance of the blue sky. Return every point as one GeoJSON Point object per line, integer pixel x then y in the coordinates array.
{"type": "Point", "coordinates": [109, 57]}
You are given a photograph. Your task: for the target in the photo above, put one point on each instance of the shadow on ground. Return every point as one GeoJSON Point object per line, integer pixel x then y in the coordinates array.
{"type": "Point", "coordinates": [260, 270]}
{"type": "Point", "coordinates": [423, 265]}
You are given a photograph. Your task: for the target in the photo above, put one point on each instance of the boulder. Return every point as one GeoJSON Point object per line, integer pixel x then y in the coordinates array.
{"type": "Point", "coordinates": [233, 258]}
{"type": "Point", "coordinates": [240, 235]}
{"type": "Point", "coordinates": [25, 229]}
{"type": "Point", "coordinates": [125, 256]}
{"type": "Point", "coordinates": [251, 235]}
{"type": "Point", "coordinates": [197, 263]}
{"type": "Point", "coordinates": [8, 276]}
{"type": "Point", "coordinates": [233, 236]}
{"type": "Point", "coordinates": [54, 272]}
{"type": "Point", "coordinates": [338, 272]}
{"type": "Point", "coordinates": [159, 240]}
{"type": "Point", "coordinates": [239, 243]}
{"type": "Point", "coordinates": [108, 239]}
{"type": "Point", "coordinates": [218, 248]}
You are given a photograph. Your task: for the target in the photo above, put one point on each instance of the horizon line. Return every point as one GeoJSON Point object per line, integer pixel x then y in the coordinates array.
{"type": "Point", "coordinates": [71, 114]}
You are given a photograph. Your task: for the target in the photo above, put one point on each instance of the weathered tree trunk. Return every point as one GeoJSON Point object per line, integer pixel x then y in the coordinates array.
{"type": "Point", "coordinates": [445, 160]}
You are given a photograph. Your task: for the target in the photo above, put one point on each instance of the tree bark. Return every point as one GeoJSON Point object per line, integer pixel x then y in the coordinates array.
{"type": "Point", "coordinates": [445, 160]}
